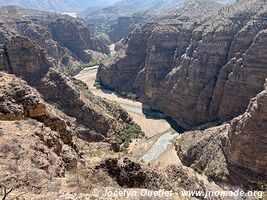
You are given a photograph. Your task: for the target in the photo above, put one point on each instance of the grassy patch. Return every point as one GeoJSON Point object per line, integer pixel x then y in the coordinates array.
{"type": "Point", "coordinates": [97, 85]}
{"type": "Point", "coordinates": [128, 133]}
{"type": "Point", "coordinates": [210, 173]}
{"type": "Point", "coordinates": [90, 64]}
{"type": "Point", "coordinates": [128, 95]}
{"type": "Point", "coordinates": [199, 168]}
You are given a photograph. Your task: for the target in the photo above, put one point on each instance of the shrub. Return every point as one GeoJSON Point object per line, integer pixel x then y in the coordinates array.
{"type": "Point", "coordinates": [210, 173]}
{"type": "Point", "coordinates": [128, 133]}
{"type": "Point", "coordinates": [97, 84]}
{"type": "Point", "coordinates": [127, 95]}
{"type": "Point", "coordinates": [132, 96]}
{"type": "Point", "coordinates": [92, 63]}
{"type": "Point", "coordinates": [199, 168]}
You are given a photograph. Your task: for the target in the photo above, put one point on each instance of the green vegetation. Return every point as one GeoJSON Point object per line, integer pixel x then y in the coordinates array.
{"type": "Point", "coordinates": [128, 133]}
{"type": "Point", "coordinates": [132, 96]}
{"type": "Point", "coordinates": [92, 63]}
{"type": "Point", "coordinates": [210, 173]}
{"type": "Point", "coordinates": [128, 95]}
{"type": "Point", "coordinates": [199, 168]}
{"type": "Point", "coordinates": [97, 84]}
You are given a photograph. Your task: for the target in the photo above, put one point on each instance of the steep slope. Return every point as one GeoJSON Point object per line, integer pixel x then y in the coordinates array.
{"type": "Point", "coordinates": [233, 153]}
{"type": "Point", "coordinates": [246, 142]}
{"type": "Point", "coordinates": [64, 38]}
{"type": "Point", "coordinates": [195, 68]}
{"type": "Point", "coordinates": [70, 95]}
{"type": "Point", "coordinates": [54, 134]}
{"type": "Point", "coordinates": [46, 118]}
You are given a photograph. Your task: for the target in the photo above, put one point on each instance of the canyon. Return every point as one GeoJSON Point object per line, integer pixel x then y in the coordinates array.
{"type": "Point", "coordinates": [64, 38]}
{"type": "Point", "coordinates": [200, 69]}
{"type": "Point", "coordinates": [178, 104]}
{"type": "Point", "coordinates": [204, 62]}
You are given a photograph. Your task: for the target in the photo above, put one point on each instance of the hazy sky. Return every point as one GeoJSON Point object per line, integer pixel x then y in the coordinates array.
{"type": "Point", "coordinates": [59, 5]}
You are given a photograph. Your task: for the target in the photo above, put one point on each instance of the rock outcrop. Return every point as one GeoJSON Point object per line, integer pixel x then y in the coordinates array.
{"type": "Point", "coordinates": [132, 174]}
{"type": "Point", "coordinates": [233, 153]}
{"type": "Point", "coordinates": [202, 151]}
{"type": "Point", "coordinates": [195, 69]}
{"type": "Point", "coordinates": [19, 102]}
{"type": "Point", "coordinates": [123, 25]}
{"type": "Point", "coordinates": [34, 136]}
{"type": "Point", "coordinates": [245, 145]}
{"type": "Point", "coordinates": [22, 57]}
{"type": "Point", "coordinates": [64, 38]}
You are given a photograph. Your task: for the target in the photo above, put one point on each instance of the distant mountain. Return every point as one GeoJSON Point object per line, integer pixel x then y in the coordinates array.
{"type": "Point", "coordinates": [59, 5]}
{"type": "Point", "coordinates": [226, 1]}
{"type": "Point", "coordinates": [146, 5]}
{"type": "Point", "coordinates": [126, 7]}
{"type": "Point", "coordinates": [123, 14]}
{"type": "Point", "coordinates": [117, 19]}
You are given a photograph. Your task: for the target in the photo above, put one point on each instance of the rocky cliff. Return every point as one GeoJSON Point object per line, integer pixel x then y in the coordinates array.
{"type": "Point", "coordinates": [22, 57]}
{"type": "Point", "coordinates": [195, 68]}
{"type": "Point", "coordinates": [47, 119]}
{"type": "Point", "coordinates": [245, 145]}
{"type": "Point", "coordinates": [64, 38]}
{"type": "Point", "coordinates": [54, 134]}
{"type": "Point", "coordinates": [123, 25]}
{"type": "Point", "coordinates": [232, 153]}
{"type": "Point", "coordinates": [203, 69]}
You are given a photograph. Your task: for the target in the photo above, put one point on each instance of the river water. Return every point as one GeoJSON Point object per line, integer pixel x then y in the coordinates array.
{"type": "Point", "coordinates": [158, 131]}
{"type": "Point", "coordinates": [159, 146]}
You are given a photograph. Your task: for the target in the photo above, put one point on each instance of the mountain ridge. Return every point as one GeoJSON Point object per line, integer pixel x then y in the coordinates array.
{"type": "Point", "coordinates": [58, 5]}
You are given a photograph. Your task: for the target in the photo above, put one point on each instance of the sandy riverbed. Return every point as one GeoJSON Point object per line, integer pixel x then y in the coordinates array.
{"type": "Point", "coordinates": [150, 126]}
{"type": "Point", "coordinates": [153, 128]}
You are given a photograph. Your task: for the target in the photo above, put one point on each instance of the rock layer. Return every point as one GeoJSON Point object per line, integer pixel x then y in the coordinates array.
{"type": "Point", "coordinates": [64, 38]}
{"type": "Point", "coordinates": [195, 69]}
{"type": "Point", "coordinates": [246, 142]}
{"type": "Point", "coordinates": [25, 59]}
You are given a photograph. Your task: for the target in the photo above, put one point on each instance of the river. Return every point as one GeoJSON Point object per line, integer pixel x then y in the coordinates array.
{"type": "Point", "coordinates": [156, 147]}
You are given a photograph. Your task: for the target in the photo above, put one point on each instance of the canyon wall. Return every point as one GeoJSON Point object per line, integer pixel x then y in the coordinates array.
{"type": "Point", "coordinates": [22, 57]}
{"type": "Point", "coordinates": [199, 70]}
{"type": "Point", "coordinates": [64, 38]}
{"type": "Point", "coordinates": [246, 142]}
{"type": "Point", "coordinates": [195, 69]}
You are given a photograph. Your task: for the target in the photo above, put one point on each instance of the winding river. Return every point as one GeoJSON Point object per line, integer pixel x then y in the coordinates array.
{"type": "Point", "coordinates": [157, 147]}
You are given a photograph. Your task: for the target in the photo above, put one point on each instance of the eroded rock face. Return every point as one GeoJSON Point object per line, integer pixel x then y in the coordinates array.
{"type": "Point", "coordinates": [232, 153]}
{"type": "Point", "coordinates": [76, 36]}
{"type": "Point", "coordinates": [22, 57]}
{"type": "Point", "coordinates": [202, 151]}
{"type": "Point", "coordinates": [195, 69]}
{"type": "Point", "coordinates": [132, 174]}
{"type": "Point", "coordinates": [23, 107]}
{"type": "Point", "coordinates": [124, 25]}
{"type": "Point", "coordinates": [246, 142]}
{"type": "Point", "coordinates": [19, 102]}
{"type": "Point", "coordinates": [25, 59]}
{"type": "Point", "coordinates": [64, 38]}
